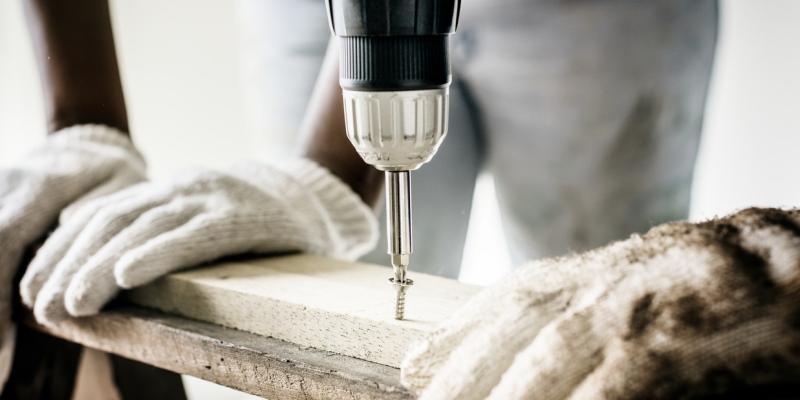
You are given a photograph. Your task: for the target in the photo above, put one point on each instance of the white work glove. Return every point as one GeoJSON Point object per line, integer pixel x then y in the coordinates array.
{"type": "Point", "coordinates": [71, 167]}
{"type": "Point", "coordinates": [139, 234]}
{"type": "Point", "coordinates": [684, 310]}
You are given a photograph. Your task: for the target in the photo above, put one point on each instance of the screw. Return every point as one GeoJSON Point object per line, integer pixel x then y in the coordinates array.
{"type": "Point", "coordinates": [400, 301]}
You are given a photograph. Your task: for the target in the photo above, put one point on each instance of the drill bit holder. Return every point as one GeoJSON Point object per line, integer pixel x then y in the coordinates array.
{"type": "Point", "coordinates": [398, 229]}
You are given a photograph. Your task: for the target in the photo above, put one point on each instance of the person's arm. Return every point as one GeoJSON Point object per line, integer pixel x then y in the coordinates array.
{"type": "Point", "coordinates": [325, 140]}
{"type": "Point", "coordinates": [77, 63]}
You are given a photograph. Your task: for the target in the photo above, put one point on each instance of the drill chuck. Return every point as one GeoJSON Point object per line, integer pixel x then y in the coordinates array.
{"type": "Point", "coordinates": [396, 130]}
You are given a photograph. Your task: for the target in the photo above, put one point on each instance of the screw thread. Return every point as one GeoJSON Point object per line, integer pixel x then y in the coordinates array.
{"type": "Point", "coordinates": [400, 304]}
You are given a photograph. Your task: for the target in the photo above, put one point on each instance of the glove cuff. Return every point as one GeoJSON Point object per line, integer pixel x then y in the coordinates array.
{"type": "Point", "coordinates": [95, 133]}
{"type": "Point", "coordinates": [352, 225]}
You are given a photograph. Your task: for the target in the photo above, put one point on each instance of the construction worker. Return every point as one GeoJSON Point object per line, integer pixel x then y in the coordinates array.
{"type": "Point", "coordinates": [589, 116]}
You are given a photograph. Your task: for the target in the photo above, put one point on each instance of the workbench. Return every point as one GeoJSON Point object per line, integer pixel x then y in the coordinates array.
{"type": "Point", "coordinates": [289, 327]}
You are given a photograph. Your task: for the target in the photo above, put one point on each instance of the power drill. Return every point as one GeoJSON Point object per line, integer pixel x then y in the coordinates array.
{"type": "Point", "coordinates": [394, 70]}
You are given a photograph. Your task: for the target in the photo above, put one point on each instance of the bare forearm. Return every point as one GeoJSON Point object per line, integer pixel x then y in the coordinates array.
{"type": "Point", "coordinates": [325, 140]}
{"type": "Point", "coordinates": [77, 63]}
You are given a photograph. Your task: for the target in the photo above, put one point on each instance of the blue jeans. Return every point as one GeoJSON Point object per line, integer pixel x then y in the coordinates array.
{"type": "Point", "coordinates": [587, 113]}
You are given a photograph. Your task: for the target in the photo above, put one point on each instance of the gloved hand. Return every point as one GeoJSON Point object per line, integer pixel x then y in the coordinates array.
{"type": "Point", "coordinates": [686, 309]}
{"type": "Point", "coordinates": [73, 166]}
{"type": "Point", "coordinates": [136, 235]}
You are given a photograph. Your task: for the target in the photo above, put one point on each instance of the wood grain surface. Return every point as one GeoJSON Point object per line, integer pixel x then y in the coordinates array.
{"type": "Point", "coordinates": [342, 307]}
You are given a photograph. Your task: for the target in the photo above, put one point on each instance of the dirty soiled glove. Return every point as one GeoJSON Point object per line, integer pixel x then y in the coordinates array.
{"type": "Point", "coordinates": [685, 310]}
{"type": "Point", "coordinates": [137, 235]}
{"type": "Point", "coordinates": [73, 166]}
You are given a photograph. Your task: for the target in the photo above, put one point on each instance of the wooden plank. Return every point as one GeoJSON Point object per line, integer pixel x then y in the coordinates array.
{"type": "Point", "coordinates": [257, 365]}
{"type": "Point", "coordinates": [338, 306]}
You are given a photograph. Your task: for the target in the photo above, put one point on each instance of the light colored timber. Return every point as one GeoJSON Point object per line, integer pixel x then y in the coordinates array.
{"type": "Point", "coordinates": [244, 361]}
{"type": "Point", "coordinates": [342, 307]}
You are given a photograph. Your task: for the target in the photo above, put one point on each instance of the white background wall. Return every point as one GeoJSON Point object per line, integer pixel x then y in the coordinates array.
{"type": "Point", "coordinates": [751, 146]}
{"type": "Point", "coordinates": [182, 76]}
{"type": "Point", "coordinates": [180, 67]}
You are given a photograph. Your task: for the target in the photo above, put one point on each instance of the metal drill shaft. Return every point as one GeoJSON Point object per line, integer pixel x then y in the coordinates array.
{"type": "Point", "coordinates": [398, 226]}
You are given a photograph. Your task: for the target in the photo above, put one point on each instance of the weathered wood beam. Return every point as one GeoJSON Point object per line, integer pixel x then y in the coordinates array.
{"type": "Point", "coordinates": [306, 327]}
{"type": "Point", "coordinates": [343, 307]}
{"type": "Point", "coordinates": [263, 366]}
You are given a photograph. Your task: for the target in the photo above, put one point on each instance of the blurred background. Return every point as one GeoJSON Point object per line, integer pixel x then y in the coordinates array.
{"type": "Point", "coordinates": [193, 72]}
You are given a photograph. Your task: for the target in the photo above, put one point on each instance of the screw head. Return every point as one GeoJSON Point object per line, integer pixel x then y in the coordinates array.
{"type": "Point", "coordinates": [406, 283]}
